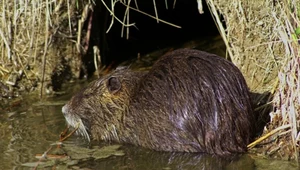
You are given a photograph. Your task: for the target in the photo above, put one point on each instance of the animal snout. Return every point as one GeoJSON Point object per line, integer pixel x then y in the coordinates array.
{"type": "Point", "coordinates": [64, 109]}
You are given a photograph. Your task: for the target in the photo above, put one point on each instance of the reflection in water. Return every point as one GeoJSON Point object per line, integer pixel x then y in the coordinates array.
{"type": "Point", "coordinates": [138, 158]}
{"type": "Point", "coordinates": [27, 131]}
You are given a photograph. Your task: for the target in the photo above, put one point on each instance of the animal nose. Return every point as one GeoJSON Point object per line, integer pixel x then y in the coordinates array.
{"type": "Point", "coordinates": [64, 109]}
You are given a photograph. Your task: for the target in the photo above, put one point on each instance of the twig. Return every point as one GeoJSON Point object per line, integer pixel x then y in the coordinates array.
{"type": "Point", "coordinates": [83, 18]}
{"type": "Point", "coordinates": [69, 17]}
{"type": "Point", "coordinates": [6, 44]}
{"type": "Point", "coordinates": [44, 156]}
{"type": "Point", "coordinates": [213, 11]}
{"type": "Point", "coordinates": [257, 141]}
{"type": "Point", "coordinates": [200, 6]}
{"type": "Point", "coordinates": [160, 20]}
{"type": "Point", "coordinates": [89, 31]}
{"type": "Point", "coordinates": [166, 3]}
{"type": "Point", "coordinates": [3, 69]}
{"type": "Point", "coordinates": [45, 47]}
{"type": "Point", "coordinates": [155, 10]}
{"type": "Point", "coordinates": [126, 16]}
{"type": "Point", "coordinates": [174, 3]}
{"type": "Point", "coordinates": [97, 56]}
{"type": "Point", "coordinates": [136, 5]}
{"type": "Point", "coordinates": [111, 11]}
{"type": "Point", "coordinates": [70, 134]}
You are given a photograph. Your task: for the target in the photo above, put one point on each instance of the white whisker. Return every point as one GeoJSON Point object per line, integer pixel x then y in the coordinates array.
{"type": "Point", "coordinates": [77, 122]}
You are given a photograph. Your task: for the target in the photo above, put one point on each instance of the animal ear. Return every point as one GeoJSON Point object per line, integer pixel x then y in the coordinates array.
{"type": "Point", "coordinates": [113, 85]}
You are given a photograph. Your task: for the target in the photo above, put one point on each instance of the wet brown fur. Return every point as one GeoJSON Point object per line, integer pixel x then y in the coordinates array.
{"type": "Point", "coordinates": [190, 101]}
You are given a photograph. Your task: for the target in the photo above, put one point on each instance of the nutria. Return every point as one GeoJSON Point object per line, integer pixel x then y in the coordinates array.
{"type": "Point", "coordinates": [190, 101]}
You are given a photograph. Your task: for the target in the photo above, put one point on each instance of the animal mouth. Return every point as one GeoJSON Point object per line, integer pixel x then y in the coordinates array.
{"type": "Point", "coordinates": [79, 124]}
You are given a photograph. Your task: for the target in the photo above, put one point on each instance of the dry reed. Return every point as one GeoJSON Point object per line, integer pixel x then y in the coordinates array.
{"type": "Point", "coordinates": [261, 40]}
{"type": "Point", "coordinates": [29, 32]}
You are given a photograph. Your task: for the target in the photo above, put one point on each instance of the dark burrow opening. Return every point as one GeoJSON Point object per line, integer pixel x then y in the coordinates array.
{"type": "Point", "coordinates": [147, 35]}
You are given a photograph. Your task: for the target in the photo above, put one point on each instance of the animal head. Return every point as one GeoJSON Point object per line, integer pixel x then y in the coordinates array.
{"type": "Point", "coordinates": [99, 108]}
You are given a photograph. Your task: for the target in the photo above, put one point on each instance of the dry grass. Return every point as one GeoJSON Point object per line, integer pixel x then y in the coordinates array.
{"type": "Point", "coordinates": [251, 37]}
{"type": "Point", "coordinates": [260, 39]}
{"type": "Point", "coordinates": [30, 32]}
{"type": "Point", "coordinates": [23, 33]}
{"type": "Point", "coordinates": [132, 6]}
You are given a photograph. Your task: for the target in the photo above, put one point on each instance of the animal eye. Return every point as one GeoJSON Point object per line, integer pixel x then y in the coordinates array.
{"type": "Point", "coordinates": [113, 85]}
{"type": "Point", "coordinates": [87, 93]}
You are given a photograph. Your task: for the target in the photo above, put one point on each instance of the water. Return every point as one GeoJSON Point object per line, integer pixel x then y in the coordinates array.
{"type": "Point", "coordinates": [26, 130]}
